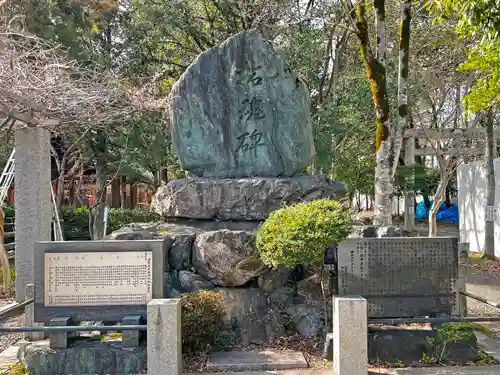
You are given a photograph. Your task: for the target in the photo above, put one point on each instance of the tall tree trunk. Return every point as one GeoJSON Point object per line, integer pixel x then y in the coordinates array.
{"type": "Point", "coordinates": [116, 193]}
{"type": "Point", "coordinates": [404, 59]}
{"type": "Point", "coordinates": [403, 112]}
{"type": "Point", "coordinates": [383, 142]}
{"type": "Point", "coordinates": [375, 70]}
{"type": "Point", "coordinates": [72, 194]}
{"type": "Point", "coordinates": [489, 243]}
{"type": "Point", "coordinates": [438, 200]}
{"type": "Point", "coordinates": [60, 180]}
{"type": "Point", "coordinates": [100, 148]}
{"type": "Point", "coordinates": [123, 183]}
{"type": "Point", "coordinates": [164, 175]}
{"type": "Point", "coordinates": [100, 194]}
{"type": "Point", "coordinates": [79, 201]}
{"type": "Point", "coordinates": [133, 196]}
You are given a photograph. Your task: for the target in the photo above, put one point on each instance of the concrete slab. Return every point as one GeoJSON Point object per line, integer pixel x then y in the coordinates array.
{"type": "Point", "coordinates": [489, 345]}
{"type": "Point", "coordinates": [256, 361]}
{"type": "Point", "coordinates": [476, 370]}
{"type": "Point", "coordinates": [452, 370]}
{"type": "Point", "coordinates": [8, 358]}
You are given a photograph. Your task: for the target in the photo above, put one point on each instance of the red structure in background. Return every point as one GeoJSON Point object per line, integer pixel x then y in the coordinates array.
{"type": "Point", "coordinates": [130, 197]}
{"type": "Point", "coordinates": [80, 190]}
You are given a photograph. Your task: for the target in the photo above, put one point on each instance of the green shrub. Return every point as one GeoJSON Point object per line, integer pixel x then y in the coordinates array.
{"type": "Point", "coordinates": [299, 234]}
{"type": "Point", "coordinates": [119, 217]}
{"type": "Point", "coordinates": [75, 222]}
{"type": "Point", "coordinates": [9, 212]}
{"type": "Point", "coordinates": [202, 313]}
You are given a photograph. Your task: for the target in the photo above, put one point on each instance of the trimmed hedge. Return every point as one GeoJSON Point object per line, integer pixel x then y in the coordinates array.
{"type": "Point", "coordinates": [75, 223]}
{"type": "Point", "coordinates": [299, 234]}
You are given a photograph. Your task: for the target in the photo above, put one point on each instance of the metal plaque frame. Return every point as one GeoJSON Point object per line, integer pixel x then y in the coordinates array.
{"type": "Point", "coordinates": [111, 313]}
{"type": "Point", "coordinates": [401, 276]}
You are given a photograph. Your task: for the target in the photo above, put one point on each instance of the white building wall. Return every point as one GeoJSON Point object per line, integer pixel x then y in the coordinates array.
{"type": "Point", "coordinates": [471, 181]}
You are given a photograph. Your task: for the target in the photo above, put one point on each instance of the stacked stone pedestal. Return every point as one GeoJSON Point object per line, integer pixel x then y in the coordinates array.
{"type": "Point", "coordinates": [243, 199]}
{"type": "Point", "coordinates": [210, 224]}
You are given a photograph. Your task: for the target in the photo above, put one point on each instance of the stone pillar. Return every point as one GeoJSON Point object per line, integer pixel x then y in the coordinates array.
{"type": "Point", "coordinates": [32, 200]}
{"type": "Point", "coordinates": [350, 336]}
{"type": "Point", "coordinates": [29, 316]}
{"type": "Point", "coordinates": [164, 337]}
{"type": "Point", "coordinates": [463, 253]}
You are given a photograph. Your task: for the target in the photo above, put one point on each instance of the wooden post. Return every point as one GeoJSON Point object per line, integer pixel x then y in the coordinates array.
{"type": "Point", "coordinates": [123, 198]}
{"type": "Point", "coordinates": [133, 195]}
{"type": "Point", "coordinates": [3, 256]}
{"type": "Point", "coordinates": [116, 193]}
{"type": "Point", "coordinates": [409, 204]}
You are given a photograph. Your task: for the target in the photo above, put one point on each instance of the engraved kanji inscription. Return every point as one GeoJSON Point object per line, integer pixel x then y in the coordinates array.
{"type": "Point", "coordinates": [251, 109]}
{"type": "Point", "coordinates": [249, 141]}
{"type": "Point", "coordinates": [252, 76]}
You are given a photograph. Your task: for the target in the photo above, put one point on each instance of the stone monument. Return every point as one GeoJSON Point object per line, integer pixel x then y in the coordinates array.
{"type": "Point", "coordinates": [241, 129]}
{"type": "Point", "coordinates": [239, 111]}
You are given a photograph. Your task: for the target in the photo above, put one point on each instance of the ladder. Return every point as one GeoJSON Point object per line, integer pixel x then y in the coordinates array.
{"type": "Point", "coordinates": [6, 181]}
{"type": "Point", "coordinates": [7, 177]}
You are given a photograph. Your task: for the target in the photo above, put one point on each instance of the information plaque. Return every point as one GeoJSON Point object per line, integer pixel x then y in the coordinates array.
{"type": "Point", "coordinates": [98, 278]}
{"type": "Point", "coordinates": [400, 276]}
{"type": "Point", "coordinates": [491, 213]}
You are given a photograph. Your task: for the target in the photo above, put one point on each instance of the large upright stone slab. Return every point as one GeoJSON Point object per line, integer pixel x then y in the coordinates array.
{"type": "Point", "coordinates": [401, 276]}
{"type": "Point", "coordinates": [239, 111]}
{"type": "Point", "coordinates": [32, 200]}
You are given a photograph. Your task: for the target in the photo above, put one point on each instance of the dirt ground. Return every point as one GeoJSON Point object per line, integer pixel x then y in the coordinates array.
{"type": "Point", "coordinates": [8, 339]}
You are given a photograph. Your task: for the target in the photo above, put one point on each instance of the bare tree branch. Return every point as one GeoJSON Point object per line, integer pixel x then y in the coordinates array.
{"type": "Point", "coordinates": [41, 86]}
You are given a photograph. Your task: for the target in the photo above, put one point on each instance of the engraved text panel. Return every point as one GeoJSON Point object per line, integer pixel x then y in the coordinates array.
{"type": "Point", "coordinates": [98, 278]}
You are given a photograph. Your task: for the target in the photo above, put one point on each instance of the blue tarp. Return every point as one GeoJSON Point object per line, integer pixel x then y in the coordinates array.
{"type": "Point", "coordinates": [445, 213]}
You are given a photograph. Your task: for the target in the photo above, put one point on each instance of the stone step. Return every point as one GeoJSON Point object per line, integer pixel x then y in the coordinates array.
{"type": "Point", "coordinates": [489, 345]}
{"type": "Point", "coordinates": [256, 361]}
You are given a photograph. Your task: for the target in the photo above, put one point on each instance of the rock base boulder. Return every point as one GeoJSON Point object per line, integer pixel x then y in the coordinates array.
{"type": "Point", "coordinates": [83, 357]}
{"type": "Point", "coordinates": [371, 231]}
{"type": "Point", "coordinates": [261, 304]}
{"type": "Point", "coordinates": [244, 199]}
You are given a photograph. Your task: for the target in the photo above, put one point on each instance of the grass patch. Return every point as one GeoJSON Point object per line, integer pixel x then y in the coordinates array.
{"type": "Point", "coordinates": [17, 369]}
{"type": "Point", "coordinates": [479, 257]}
{"type": "Point", "coordinates": [12, 274]}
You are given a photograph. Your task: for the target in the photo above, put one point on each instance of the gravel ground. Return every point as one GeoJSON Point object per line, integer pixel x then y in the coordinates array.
{"type": "Point", "coordinates": [486, 284]}
{"type": "Point", "coordinates": [8, 339]}
{"type": "Point", "coordinates": [482, 279]}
